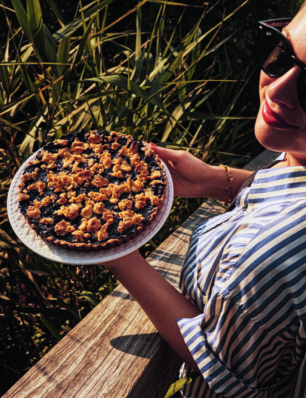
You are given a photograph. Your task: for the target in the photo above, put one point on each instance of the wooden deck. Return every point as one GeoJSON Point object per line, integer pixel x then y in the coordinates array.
{"type": "Point", "coordinates": [115, 351]}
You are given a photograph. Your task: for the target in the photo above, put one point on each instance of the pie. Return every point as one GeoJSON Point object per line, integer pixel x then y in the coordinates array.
{"type": "Point", "coordinates": [92, 190]}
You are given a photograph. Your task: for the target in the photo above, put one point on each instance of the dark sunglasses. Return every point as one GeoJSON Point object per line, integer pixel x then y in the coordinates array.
{"type": "Point", "coordinates": [276, 56]}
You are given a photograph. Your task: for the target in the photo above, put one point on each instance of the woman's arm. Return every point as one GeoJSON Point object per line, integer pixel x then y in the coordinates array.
{"type": "Point", "coordinates": [161, 301]}
{"type": "Point", "coordinates": [194, 178]}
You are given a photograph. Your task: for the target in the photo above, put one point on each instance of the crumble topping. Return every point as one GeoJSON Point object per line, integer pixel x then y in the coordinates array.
{"type": "Point", "coordinates": [70, 212]}
{"type": "Point", "coordinates": [47, 220]}
{"type": "Point", "coordinates": [129, 218]}
{"type": "Point", "coordinates": [63, 227]}
{"type": "Point", "coordinates": [23, 196]}
{"type": "Point", "coordinates": [33, 212]}
{"type": "Point", "coordinates": [39, 186]}
{"type": "Point", "coordinates": [92, 190]}
{"type": "Point", "coordinates": [87, 211]}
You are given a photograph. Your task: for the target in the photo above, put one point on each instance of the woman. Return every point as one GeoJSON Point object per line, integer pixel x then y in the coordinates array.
{"type": "Point", "coordinates": [240, 319]}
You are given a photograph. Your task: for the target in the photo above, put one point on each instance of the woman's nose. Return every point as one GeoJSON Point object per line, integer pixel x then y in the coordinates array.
{"type": "Point", "coordinates": [283, 90]}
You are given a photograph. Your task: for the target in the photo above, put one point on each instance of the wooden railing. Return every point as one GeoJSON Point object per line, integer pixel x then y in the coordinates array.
{"type": "Point", "coordinates": [115, 351]}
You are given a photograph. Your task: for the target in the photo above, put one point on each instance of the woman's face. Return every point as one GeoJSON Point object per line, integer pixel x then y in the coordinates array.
{"type": "Point", "coordinates": [281, 122]}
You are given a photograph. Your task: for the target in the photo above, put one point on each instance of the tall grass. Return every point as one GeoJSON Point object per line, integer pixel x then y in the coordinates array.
{"type": "Point", "coordinates": [132, 74]}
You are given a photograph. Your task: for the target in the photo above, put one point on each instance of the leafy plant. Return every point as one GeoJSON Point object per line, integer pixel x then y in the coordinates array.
{"type": "Point", "coordinates": [162, 82]}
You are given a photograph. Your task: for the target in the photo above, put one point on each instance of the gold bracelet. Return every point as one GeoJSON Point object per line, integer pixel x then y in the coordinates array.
{"type": "Point", "coordinates": [229, 185]}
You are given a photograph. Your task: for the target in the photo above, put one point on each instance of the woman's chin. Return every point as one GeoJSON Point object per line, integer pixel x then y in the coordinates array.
{"type": "Point", "coordinates": [265, 136]}
{"type": "Point", "coordinates": [272, 138]}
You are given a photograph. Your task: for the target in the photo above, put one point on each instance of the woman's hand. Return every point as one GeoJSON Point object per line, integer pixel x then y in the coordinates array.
{"type": "Point", "coordinates": [190, 175]}
{"type": "Point", "coordinates": [194, 178]}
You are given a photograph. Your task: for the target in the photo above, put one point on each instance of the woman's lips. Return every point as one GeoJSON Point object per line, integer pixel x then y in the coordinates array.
{"type": "Point", "coordinates": [273, 119]}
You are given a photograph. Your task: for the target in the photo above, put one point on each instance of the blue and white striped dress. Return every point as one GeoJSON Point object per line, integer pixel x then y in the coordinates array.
{"type": "Point", "coordinates": [246, 270]}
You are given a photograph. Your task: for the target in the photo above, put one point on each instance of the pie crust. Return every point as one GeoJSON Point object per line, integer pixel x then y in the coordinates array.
{"type": "Point", "coordinates": [92, 190]}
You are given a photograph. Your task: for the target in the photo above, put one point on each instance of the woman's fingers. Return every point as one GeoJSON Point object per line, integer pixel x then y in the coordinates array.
{"type": "Point", "coordinates": [166, 154]}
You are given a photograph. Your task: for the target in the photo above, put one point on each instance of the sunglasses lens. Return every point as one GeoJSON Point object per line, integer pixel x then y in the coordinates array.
{"type": "Point", "coordinates": [273, 52]}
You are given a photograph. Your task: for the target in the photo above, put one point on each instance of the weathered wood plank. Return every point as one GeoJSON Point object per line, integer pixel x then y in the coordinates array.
{"type": "Point", "coordinates": [115, 351]}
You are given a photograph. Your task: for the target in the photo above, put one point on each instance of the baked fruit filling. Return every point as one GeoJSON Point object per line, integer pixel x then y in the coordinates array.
{"type": "Point", "coordinates": [92, 190]}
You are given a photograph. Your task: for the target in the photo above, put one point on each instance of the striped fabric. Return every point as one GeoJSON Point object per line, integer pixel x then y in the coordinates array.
{"type": "Point", "coordinates": [246, 270]}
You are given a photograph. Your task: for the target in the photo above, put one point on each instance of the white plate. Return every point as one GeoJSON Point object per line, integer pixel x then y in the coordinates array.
{"type": "Point", "coordinates": [30, 238]}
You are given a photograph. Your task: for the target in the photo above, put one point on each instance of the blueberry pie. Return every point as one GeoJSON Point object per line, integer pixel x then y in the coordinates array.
{"type": "Point", "coordinates": [92, 190]}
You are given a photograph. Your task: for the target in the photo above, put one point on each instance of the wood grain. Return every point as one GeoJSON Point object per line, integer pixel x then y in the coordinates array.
{"type": "Point", "coordinates": [115, 351]}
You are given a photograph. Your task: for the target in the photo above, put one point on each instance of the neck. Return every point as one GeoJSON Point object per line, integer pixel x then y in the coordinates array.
{"type": "Point", "coordinates": [293, 160]}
